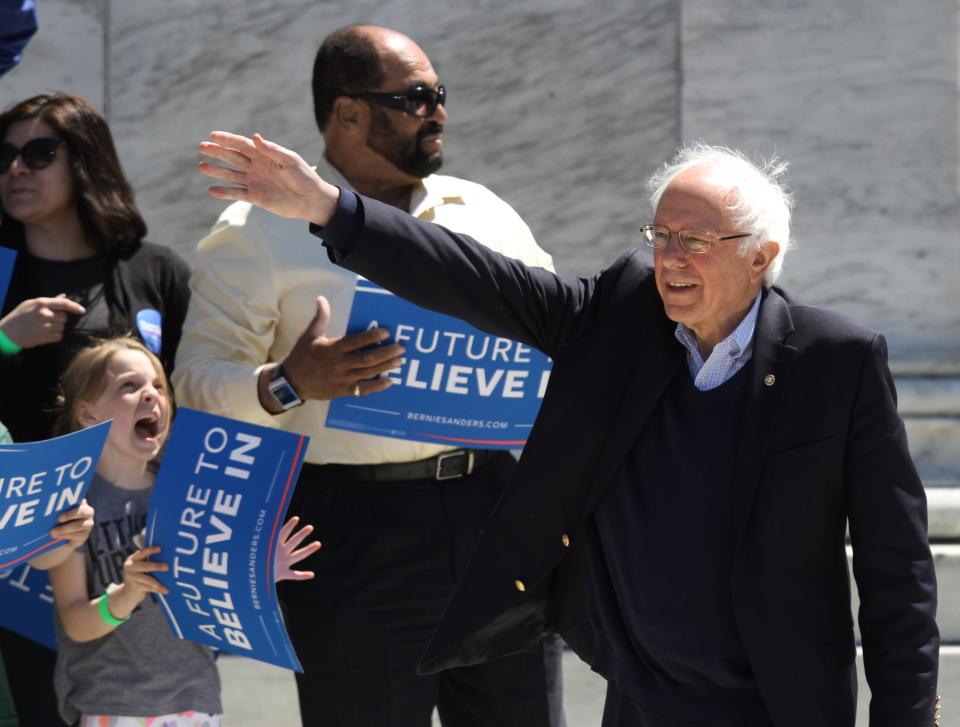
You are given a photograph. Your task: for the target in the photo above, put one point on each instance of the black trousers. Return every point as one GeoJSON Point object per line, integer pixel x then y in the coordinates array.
{"type": "Point", "coordinates": [391, 556]}
{"type": "Point", "coordinates": [621, 711]}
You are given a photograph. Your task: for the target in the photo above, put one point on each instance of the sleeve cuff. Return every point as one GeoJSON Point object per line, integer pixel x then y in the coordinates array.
{"type": "Point", "coordinates": [341, 232]}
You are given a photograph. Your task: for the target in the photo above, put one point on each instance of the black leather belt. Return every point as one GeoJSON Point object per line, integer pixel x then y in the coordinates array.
{"type": "Point", "coordinates": [445, 466]}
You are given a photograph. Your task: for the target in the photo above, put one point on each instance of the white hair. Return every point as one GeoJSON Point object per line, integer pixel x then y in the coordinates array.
{"type": "Point", "coordinates": [757, 199]}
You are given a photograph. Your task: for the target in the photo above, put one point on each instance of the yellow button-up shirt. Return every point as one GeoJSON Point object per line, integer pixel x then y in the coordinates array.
{"type": "Point", "coordinates": [254, 291]}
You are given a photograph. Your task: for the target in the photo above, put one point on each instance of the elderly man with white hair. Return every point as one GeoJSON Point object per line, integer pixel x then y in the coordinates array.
{"type": "Point", "coordinates": [680, 510]}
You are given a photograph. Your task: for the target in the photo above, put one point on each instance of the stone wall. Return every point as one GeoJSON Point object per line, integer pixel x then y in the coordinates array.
{"type": "Point", "coordinates": [565, 107]}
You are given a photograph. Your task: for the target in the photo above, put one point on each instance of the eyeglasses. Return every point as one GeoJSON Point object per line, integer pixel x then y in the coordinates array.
{"type": "Point", "coordinates": [693, 242]}
{"type": "Point", "coordinates": [36, 154]}
{"type": "Point", "coordinates": [420, 101]}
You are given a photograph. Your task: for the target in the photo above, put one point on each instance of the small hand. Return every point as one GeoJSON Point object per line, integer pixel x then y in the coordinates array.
{"type": "Point", "coordinates": [267, 175]}
{"type": "Point", "coordinates": [137, 570]}
{"type": "Point", "coordinates": [75, 525]}
{"type": "Point", "coordinates": [74, 528]}
{"type": "Point", "coordinates": [39, 321]}
{"type": "Point", "coordinates": [325, 368]}
{"type": "Point", "coordinates": [288, 555]}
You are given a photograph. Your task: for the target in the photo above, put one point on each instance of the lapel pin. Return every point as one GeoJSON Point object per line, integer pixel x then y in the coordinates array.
{"type": "Point", "coordinates": [769, 379]}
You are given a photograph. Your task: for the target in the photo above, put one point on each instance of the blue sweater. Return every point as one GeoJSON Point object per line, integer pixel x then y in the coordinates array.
{"type": "Point", "coordinates": [663, 598]}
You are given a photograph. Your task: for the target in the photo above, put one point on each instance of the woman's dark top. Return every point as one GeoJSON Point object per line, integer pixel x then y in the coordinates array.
{"type": "Point", "coordinates": [144, 293]}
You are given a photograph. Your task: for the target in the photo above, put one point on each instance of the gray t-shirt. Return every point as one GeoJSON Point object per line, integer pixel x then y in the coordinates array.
{"type": "Point", "coordinates": [140, 668]}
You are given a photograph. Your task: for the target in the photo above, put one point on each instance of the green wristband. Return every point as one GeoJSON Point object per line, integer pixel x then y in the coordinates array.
{"type": "Point", "coordinates": [8, 347]}
{"type": "Point", "coordinates": [103, 605]}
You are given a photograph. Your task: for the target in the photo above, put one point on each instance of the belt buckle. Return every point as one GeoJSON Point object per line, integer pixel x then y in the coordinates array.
{"type": "Point", "coordinates": [441, 458]}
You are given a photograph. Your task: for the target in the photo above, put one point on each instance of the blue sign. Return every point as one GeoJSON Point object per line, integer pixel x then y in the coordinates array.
{"type": "Point", "coordinates": [216, 510]}
{"type": "Point", "coordinates": [7, 258]}
{"type": "Point", "coordinates": [38, 481]}
{"type": "Point", "coordinates": [27, 600]}
{"type": "Point", "coordinates": [456, 385]}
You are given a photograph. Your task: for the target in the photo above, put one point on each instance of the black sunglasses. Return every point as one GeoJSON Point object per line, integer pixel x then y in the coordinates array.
{"type": "Point", "coordinates": [420, 101]}
{"type": "Point", "coordinates": [36, 154]}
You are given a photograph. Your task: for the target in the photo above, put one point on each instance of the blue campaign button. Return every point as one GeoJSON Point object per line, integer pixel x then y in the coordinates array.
{"type": "Point", "coordinates": [148, 325]}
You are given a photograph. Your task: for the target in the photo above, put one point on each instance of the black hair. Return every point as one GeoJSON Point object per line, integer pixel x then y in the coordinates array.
{"type": "Point", "coordinates": [347, 62]}
{"type": "Point", "coordinates": [105, 205]}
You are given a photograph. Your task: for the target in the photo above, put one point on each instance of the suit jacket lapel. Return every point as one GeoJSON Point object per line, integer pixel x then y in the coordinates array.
{"type": "Point", "coordinates": [770, 364]}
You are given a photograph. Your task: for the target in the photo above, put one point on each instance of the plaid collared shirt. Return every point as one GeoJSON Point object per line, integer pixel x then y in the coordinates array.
{"type": "Point", "coordinates": [727, 357]}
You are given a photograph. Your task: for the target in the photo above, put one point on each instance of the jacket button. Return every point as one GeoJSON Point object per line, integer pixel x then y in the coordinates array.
{"type": "Point", "coordinates": [565, 539]}
{"type": "Point", "coordinates": [769, 380]}
{"type": "Point", "coordinates": [520, 585]}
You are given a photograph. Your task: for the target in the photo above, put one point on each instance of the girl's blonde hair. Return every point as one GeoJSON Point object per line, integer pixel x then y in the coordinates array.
{"type": "Point", "coordinates": [86, 377]}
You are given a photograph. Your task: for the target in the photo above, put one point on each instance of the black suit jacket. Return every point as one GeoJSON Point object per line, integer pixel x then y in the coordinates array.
{"type": "Point", "coordinates": [821, 445]}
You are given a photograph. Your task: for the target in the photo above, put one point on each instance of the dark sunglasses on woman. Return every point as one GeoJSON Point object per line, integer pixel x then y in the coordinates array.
{"type": "Point", "coordinates": [36, 153]}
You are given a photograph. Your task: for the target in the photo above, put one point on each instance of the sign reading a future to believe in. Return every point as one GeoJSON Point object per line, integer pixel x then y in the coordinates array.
{"type": "Point", "coordinates": [38, 481]}
{"type": "Point", "coordinates": [27, 600]}
{"type": "Point", "coordinates": [456, 385]}
{"type": "Point", "coordinates": [216, 510]}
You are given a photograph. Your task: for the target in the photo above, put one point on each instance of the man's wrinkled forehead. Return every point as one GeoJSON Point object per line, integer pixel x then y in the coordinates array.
{"type": "Point", "coordinates": [697, 196]}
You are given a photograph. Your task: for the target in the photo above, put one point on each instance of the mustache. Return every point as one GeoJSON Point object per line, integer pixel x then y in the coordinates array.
{"type": "Point", "coordinates": [431, 127]}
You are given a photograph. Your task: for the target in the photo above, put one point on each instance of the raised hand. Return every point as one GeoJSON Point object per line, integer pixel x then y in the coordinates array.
{"type": "Point", "coordinates": [326, 368]}
{"type": "Point", "coordinates": [289, 555]}
{"type": "Point", "coordinates": [39, 321]}
{"type": "Point", "coordinates": [267, 175]}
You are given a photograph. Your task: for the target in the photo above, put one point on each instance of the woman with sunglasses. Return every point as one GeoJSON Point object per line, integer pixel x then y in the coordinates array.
{"type": "Point", "coordinates": [82, 271]}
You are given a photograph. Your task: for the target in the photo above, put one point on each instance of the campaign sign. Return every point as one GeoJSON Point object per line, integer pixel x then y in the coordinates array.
{"type": "Point", "coordinates": [7, 258]}
{"type": "Point", "coordinates": [456, 385]}
{"type": "Point", "coordinates": [216, 510]}
{"type": "Point", "coordinates": [38, 481]}
{"type": "Point", "coordinates": [27, 600]}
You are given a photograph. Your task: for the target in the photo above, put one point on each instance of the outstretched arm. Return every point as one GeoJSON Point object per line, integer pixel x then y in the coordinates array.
{"type": "Point", "coordinates": [424, 263]}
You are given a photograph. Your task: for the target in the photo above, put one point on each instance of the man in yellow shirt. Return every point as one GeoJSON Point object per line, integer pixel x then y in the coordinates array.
{"type": "Point", "coordinates": [264, 341]}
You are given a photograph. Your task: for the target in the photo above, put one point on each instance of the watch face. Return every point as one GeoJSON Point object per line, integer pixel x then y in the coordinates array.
{"type": "Point", "coordinates": [284, 393]}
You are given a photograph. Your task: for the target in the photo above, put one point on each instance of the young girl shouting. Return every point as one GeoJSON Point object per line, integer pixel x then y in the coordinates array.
{"type": "Point", "coordinates": [119, 664]}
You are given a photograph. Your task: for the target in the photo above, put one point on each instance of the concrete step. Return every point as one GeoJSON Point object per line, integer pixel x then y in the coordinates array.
{"type": "Point", "coordinates": [934, 443]}
{"type": "Point", "coordinates": [943, 510]}
{"type": "Point", "coordinates": [930, 407]}
{"type": "Point", "coordinates": [928, 395]}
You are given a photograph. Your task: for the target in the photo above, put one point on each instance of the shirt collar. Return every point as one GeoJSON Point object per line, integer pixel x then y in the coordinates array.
{"type": "Point", "coordinates": [433, 191]}
{"type": "Point", "coordinates": [734, 345]}
{"type": "Point", "coordinates": [429, 192]}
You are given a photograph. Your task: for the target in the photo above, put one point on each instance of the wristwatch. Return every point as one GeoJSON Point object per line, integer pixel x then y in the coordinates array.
{"type": "Point", "coordinates": [281, 390]}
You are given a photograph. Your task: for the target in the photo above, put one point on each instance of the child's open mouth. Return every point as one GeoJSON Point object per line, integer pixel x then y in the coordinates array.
{"type": "Point", "coordinates": [147, 428]}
